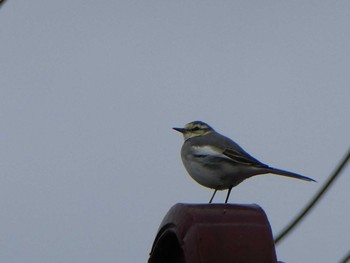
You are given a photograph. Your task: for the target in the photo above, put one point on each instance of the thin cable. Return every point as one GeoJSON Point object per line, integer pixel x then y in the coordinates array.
{"type": "Point", "coordinates": [346, 258]}
{"type": "Point", "coordinates": [2, 2]}
{"type": "Point", "coordinates": [313, 201]}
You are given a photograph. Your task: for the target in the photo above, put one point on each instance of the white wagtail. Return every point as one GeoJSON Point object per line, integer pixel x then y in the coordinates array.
{"type": "Point", "coordinates": [217, 162]}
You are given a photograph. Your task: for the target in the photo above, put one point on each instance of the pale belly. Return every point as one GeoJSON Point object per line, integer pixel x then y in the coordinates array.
{"type": "Point", "coordinates": [225, 177]}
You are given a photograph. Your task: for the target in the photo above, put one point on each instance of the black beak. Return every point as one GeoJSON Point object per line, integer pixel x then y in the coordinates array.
{"type": "Point", "coordinates": [182, 130]}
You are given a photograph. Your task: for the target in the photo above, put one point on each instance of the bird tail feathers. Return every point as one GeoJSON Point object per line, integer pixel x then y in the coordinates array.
{"type": "Point", "coordinates": [289, 174]}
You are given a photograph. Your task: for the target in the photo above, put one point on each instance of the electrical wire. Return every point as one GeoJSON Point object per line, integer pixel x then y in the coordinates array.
{"type": "Point", "coordinates": [2, 2]}
{"type": "Point", "coordinates": [314, 200]}
{"type": "Point", "coordinates": [346, 258]}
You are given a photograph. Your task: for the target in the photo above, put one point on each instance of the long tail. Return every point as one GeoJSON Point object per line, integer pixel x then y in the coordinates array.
{"type": "Point", "coordinates": [289, 174]}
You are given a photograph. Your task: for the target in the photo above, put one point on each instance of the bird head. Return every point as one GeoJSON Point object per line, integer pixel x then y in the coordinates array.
{"type": "Point", "coordinates": [195, 128]}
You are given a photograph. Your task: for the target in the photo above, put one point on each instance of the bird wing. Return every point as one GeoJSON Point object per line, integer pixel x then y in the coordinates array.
{"type": "Point", "coordinates": [242, 157]}
{"type": "Point", "coordinates": [211, 152]}
{"type": "Point", "coordinates": [208, 151]}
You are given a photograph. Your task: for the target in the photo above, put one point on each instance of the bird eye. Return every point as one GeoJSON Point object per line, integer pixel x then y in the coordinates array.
{"type": "Point", "coordinates": [195, 128]}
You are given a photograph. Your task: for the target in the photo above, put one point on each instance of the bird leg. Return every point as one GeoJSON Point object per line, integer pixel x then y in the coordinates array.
{"type": "Point", "coordinates": [211, 199]}
{"type": "Point", "coordinates": [228, 194]}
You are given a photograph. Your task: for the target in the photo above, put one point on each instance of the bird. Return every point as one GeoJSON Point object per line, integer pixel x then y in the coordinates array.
{"type": "Point", "coordinates": [217, 162]}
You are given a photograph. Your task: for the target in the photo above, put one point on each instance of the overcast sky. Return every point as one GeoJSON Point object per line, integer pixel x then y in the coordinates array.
{"type": "Point", "coordinates": [89, 91]}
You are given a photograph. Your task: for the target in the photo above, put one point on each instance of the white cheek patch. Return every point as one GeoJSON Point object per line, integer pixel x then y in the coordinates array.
{"type": "Point", "coordinates": [208, 151]}
{"type": "Point", "coordinates": [188, 135]}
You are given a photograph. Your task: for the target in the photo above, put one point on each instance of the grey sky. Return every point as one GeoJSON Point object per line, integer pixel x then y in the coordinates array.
{"type": "Point", "coordinates": [89, 93]}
